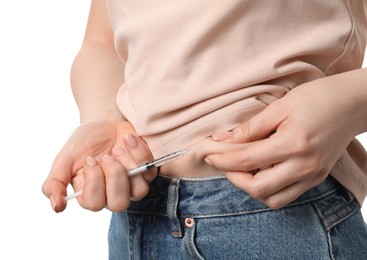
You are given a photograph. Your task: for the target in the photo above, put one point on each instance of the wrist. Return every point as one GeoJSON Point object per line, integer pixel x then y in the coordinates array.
{"type": "Point", "coordinates": [358, 92]}
{"type": "Point", "coordinates": [353, 93]}
{"type": "Point", "coordinates": [106, 115]}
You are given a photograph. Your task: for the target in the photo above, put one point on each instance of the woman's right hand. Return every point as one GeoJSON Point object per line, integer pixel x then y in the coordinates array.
{"type": "Point", "coordinates": [96, 158]}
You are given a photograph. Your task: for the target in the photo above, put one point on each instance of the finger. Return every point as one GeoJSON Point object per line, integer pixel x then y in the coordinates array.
{"type": "Point", "coordinates": [139, 153]}
{"type": "Point", "coordinates": [55, 190]}
{"type": "Point", "coordinates": [251, 157]}
{"type": "Point", "coordinates": [117, 184]}
{"type": "Point", "coordinates": [277, 186]}
{"type": "Point", "coordinates": [289, 194]}
{"type": "Point", "coordinates": [58, 179]}
{"type": "Point", "coordinates": [259, 127]}
{"type": "Point", "coordinates": [269, 181]}
{"type": "Point", "coordinates": [138, 185]}
{"type": "Point", "coordinates": [94, 192]}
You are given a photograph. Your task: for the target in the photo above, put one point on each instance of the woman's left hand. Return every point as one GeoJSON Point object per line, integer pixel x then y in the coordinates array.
{"type": "Point", "coordinates": [293, 143]}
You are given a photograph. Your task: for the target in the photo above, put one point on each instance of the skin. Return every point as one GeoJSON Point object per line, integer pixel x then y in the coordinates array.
{"type": "Point", "coordinates": [296, 140]}
{"type": "Point", "coordinates": [99, 152]}
{"type": "Point", "coordinates": [292, 144]}
{"type": "Point", "coordinates": [96, 158]}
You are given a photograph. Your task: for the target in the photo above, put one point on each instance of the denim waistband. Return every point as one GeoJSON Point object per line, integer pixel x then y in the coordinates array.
{"type": "Point", "coordinates": [211, 197]}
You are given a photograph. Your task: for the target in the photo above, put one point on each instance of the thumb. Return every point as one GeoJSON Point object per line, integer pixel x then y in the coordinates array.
{"type": "Point", "coordinates": [57, 181]}
{"type": "Point", "coordinates": [139, 153]}
{"type": "Point", "coordinates": [258, 127]}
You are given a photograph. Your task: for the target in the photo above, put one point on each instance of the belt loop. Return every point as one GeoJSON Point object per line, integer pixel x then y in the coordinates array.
{"type": "Point", "coordinates": [172, 204]}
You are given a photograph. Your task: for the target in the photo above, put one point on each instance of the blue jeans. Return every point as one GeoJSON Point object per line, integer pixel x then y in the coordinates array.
{"type": "Point", "coordinates": [212, 219]}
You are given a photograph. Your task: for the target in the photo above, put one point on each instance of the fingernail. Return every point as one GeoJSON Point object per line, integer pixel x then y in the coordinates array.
{"type": "Point", "coordinates": [131, 141]}
{"type": "Point", "coordinates": [221, 136]}
{"type": "Point", "coordinates": [53, 203]}
{"type": "Point", "coordinates": [207, 160]}
{"type": "Point", "coordinates": [107, 159]}
{"type": "Point", "coordinates": [118, 150]}
{"type": "Point", "coordinates": [90, 161]}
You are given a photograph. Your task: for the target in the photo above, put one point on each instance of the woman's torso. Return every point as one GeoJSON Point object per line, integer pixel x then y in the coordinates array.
{"type": "Point", "coordinates": [193, 67]}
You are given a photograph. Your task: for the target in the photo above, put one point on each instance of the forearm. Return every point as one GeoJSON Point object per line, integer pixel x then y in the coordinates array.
{"type": "Point", "coordinates": [96, 75]}
{"type": "Point", "coordinates": [351, 88]}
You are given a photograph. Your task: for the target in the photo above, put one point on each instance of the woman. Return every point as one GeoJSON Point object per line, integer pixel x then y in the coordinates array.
{"type": "Point", "coordinates": [268, 96]}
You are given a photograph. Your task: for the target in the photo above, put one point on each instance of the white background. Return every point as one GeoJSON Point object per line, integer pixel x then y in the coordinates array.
{"type": "Point", "coordinates": [38, 42]}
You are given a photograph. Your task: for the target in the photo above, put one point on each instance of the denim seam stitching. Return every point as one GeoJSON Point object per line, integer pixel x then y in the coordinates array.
{"type": "Point", "coordinates": [169, 199]}
{"type": "Point", "coordinates": [173, 227]}
{"type": "Point", "coordinates": [183, 215]}
{"type": "Point", "coordinates": [343, 216]}
{"type": "Point", "coordinates": [329, 224]}
{"type": "Point", "coordinates": [131, 242]}
{"type": "Point", "coordinates": [153, 219]}
{"type": "Point", "coordinates": [340, 208]}
{"type": "Point", "coordinates": [330, 245]}
{"type": "Point", "coordinates": [259, 210]}
{"type": "Point", "coordinates": [190, 243]}
{"type": "Point", "coordinates": [193, 180]}
{"type": "Point", "coordinates": [327, 231]}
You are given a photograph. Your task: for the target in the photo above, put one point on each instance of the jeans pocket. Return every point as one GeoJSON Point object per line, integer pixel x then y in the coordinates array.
{"type": "Point", "coordinates": [290, 233]}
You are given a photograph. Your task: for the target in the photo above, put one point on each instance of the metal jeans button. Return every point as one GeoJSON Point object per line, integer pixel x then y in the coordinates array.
{"type": "Point", "coordinates": [189, 222]}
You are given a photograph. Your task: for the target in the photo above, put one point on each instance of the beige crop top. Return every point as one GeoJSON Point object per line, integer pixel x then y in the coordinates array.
{"type": "Point", "coordinates": [196, 67]}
